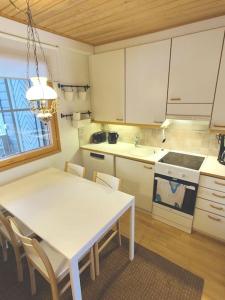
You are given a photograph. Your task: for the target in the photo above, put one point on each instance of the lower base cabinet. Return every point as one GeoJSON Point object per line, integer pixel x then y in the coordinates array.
{"type": "Point", "coordinates": [136, 179]}
{"type": "Point", "coordinates": [209, 217]}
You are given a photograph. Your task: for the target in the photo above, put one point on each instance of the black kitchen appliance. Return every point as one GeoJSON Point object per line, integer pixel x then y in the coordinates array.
{"type": "Point", "coordinates": [98, 137]}
{"type": "Point", "coordinates": [221, 155]}
{"type": "Point", "coordinates": [183, 160]}
{"type": "Point", "coordinates": [112, 137]}
{"type": "Point", "coordinates": [176, 181]}
{"type": "Point", "coordinates": [186, 204]}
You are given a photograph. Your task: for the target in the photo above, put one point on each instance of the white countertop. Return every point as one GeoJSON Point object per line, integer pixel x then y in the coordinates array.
{"type": "Point", "coordinates": [147, 154]}
{"type": "Point", "coordinates": [212, 167]}
{"type": "Point", "coordinates": [142, 153]}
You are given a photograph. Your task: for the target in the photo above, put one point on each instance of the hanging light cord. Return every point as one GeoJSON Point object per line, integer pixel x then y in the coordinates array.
{"type": "Point", "coordinates": [32, 40]}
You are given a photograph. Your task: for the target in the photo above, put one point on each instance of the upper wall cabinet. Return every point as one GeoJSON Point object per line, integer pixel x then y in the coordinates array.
{"type": "Point", "coordinates": [147, 68]}
{"type": "Point", "coordinates": [218, 116]}
{"type": "Point", "coordinates": [108, 86]}
{"type": "Point", "coordinates": [193, 71]}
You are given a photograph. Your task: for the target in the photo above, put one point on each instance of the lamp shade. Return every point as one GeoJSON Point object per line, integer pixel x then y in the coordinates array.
{"type": "Point", "coordinates": [40, 90]}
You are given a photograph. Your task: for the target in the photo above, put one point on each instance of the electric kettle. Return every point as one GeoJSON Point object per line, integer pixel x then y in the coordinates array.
{"type": "Point", "coordinates": [112, 137]}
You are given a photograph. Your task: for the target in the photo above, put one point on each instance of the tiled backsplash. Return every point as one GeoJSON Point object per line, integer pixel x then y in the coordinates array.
{"type": "Point", "coordinates": [190, 136]}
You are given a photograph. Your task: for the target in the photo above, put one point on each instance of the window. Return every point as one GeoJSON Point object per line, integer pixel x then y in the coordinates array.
{"type": "Point", "coordinates": [23, 137]}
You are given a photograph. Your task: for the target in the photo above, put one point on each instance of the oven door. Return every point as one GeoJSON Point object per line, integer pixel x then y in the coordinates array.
{"type": "Point", "coordinates": [175, 193]}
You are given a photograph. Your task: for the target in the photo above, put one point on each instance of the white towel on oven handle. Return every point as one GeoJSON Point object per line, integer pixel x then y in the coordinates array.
{"type": "Point", "coordinates": [170, 192]}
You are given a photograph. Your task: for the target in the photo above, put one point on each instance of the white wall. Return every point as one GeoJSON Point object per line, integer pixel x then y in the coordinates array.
{"type": "Point", "coordinates": [72, 60]}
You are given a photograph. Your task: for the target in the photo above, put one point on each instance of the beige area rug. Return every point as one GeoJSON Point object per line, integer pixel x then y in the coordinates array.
{"type": "Point", "coordinates": [148, 277]}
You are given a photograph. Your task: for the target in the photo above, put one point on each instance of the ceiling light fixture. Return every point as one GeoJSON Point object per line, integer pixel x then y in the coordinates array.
{"type": "Point", "coordinates": [41, 97]}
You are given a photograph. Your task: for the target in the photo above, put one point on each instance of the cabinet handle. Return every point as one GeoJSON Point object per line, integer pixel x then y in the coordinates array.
{"type": "Point", "coordinates": [97, 156]}
{"type": "Point", "coordinates": [219, 183]}
{"type": "Point", "coordinates": [219, 196]}
{"type": "Point", "coordinates": [216, 207]}
{"type": "Point", "coordinates": [119, 119]}
{"type": "Point", "coordinates": [175, 99]}
{"type": "Point", "coordinates": [147, 167]}
{"type": "Point", "coordinates": [214, 219]}
{"type": "Point", "coordinates": [219, 126]}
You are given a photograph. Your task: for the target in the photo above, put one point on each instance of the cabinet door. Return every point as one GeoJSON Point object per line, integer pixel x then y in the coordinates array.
{"type": "Point", "coordinates": [218, 116]}
{"type": "Point", "coordinates": [136, 179]}
{"type": "Point", "coordinates": [147, 68]}
{"type": "Point", "coordinates": [194, 67]}
{"type": "Point", "coordinates": [107, 86]}
{"type": "Point", "coordinates": [99, 162]}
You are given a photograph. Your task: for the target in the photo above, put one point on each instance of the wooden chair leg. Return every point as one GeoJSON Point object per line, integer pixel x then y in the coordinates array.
{"type": "Point", "coordinates": [96, 259]}
{"type": "Point", "coordinates": [32, 279]}
{"type": "Point", "coordinates": [119, 234]}
{"type": "Point", "coordinates": [55, 291]}
{"type": "Point", "coordinates": [4, 249]}
{"type": "Point", "coordinates": [19, 269]}
{"type": "Point", "coordinates": [18, 263]}
{"type": "Point", "coordinates": [92, 265]}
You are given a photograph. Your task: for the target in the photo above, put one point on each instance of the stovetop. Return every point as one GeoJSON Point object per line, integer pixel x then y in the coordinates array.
{"type": "Point", "coordinates": [193, 162]}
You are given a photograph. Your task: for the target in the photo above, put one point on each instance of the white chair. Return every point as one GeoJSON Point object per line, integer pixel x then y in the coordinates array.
{"type": "Point", "coordinates": [114, 184]}
{"type": "Point", "coordinates": [74, 169]}
{"type": "Point", "coordinates": [7, 236]}
{"type": "Point", "coordinates": [107, 180]}
{"type": "Point", "coordinates": [51, 264]}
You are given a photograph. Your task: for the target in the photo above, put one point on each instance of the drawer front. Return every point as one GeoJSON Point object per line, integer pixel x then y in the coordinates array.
{"type": "Point", "coordinates": [212, 183]}
{"type": "Point", "coordinates": [212, 195]}
{"type": "Point", "coordinates": [210, 206]}
{"type": "Point", "coordinates": [189, 109]}
{"type": "Point", "coordinates": [170, 215]}
{"type": "Point", "coordinates": [209, 223]}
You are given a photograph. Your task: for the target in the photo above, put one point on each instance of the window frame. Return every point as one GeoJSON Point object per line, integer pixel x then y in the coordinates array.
{"type": "Point", "coordinates": [29, 156]}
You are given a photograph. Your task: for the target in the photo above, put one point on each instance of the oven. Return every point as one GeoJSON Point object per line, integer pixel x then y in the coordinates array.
{"type": "Point", "coordinates": [175, 193]}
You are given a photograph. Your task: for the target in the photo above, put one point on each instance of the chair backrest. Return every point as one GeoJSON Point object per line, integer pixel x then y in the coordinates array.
{"type": "Point", "coordinates": [107, 180]}
{"type": "Point", "coordinates": [35, 254]}
{"type": "Point", "coordinates": [7, 231]}
{"type": "Point", "coordinates": [74, 169]}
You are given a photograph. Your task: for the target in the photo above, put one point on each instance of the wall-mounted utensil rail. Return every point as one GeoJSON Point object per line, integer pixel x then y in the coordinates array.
{"type": "Point", "coordinates": [62, 86]}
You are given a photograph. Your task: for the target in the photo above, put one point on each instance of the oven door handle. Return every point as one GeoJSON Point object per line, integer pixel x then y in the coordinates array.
{"type": "Point", "coordinates": [191, 187]}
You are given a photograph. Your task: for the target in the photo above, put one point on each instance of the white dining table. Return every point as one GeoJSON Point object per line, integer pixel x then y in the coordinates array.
{"type": "Point", "coordinates": [69, 212]}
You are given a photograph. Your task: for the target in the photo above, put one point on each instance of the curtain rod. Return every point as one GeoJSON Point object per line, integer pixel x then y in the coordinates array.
{"type": "Point", "coordinates": [24, 40]}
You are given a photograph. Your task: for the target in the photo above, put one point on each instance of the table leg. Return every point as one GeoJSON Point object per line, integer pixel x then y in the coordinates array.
{"type": "Point", "coordinates": [75, 279]}
{"type": "Point", "coordinates": [132, 221]}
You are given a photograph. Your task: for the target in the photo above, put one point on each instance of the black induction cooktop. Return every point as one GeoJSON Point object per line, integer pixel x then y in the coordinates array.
{"type": "Point", "coordinates": [183, 160]}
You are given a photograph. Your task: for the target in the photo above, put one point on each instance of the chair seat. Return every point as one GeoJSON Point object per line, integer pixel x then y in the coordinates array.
{"type": "Point", "coordinates": [25, 230]}
{"type": "Point", "coordinates": [60, 263]}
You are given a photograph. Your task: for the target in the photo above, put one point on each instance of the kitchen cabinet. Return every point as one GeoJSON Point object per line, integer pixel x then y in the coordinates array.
{"type": "Point", "coordinates": [209, 217]}
{"type": "Point", "coordinates": [147, 68]}
{"type": "Point", "coordinates": [100, 162]}
{"type": "Point", "coordinates": [218, 115]}
{"type": "Point", "coordinates": [108, 86]}
{"type": "Point", "coordinates": [194, 67]}
{"type": "Point", "coordinates": [136, 179]}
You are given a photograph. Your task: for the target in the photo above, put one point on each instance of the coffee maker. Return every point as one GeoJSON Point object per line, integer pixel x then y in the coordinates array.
{"type": "Point", "coordinates": [221, 155]}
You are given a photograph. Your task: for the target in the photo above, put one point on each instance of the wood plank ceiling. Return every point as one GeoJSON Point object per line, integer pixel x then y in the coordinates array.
{"type": "Point", "coordinates": [101, 21]}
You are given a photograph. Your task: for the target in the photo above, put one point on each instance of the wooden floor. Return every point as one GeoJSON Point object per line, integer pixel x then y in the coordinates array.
{"type": "Point", "coordinates": [199, 254]}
